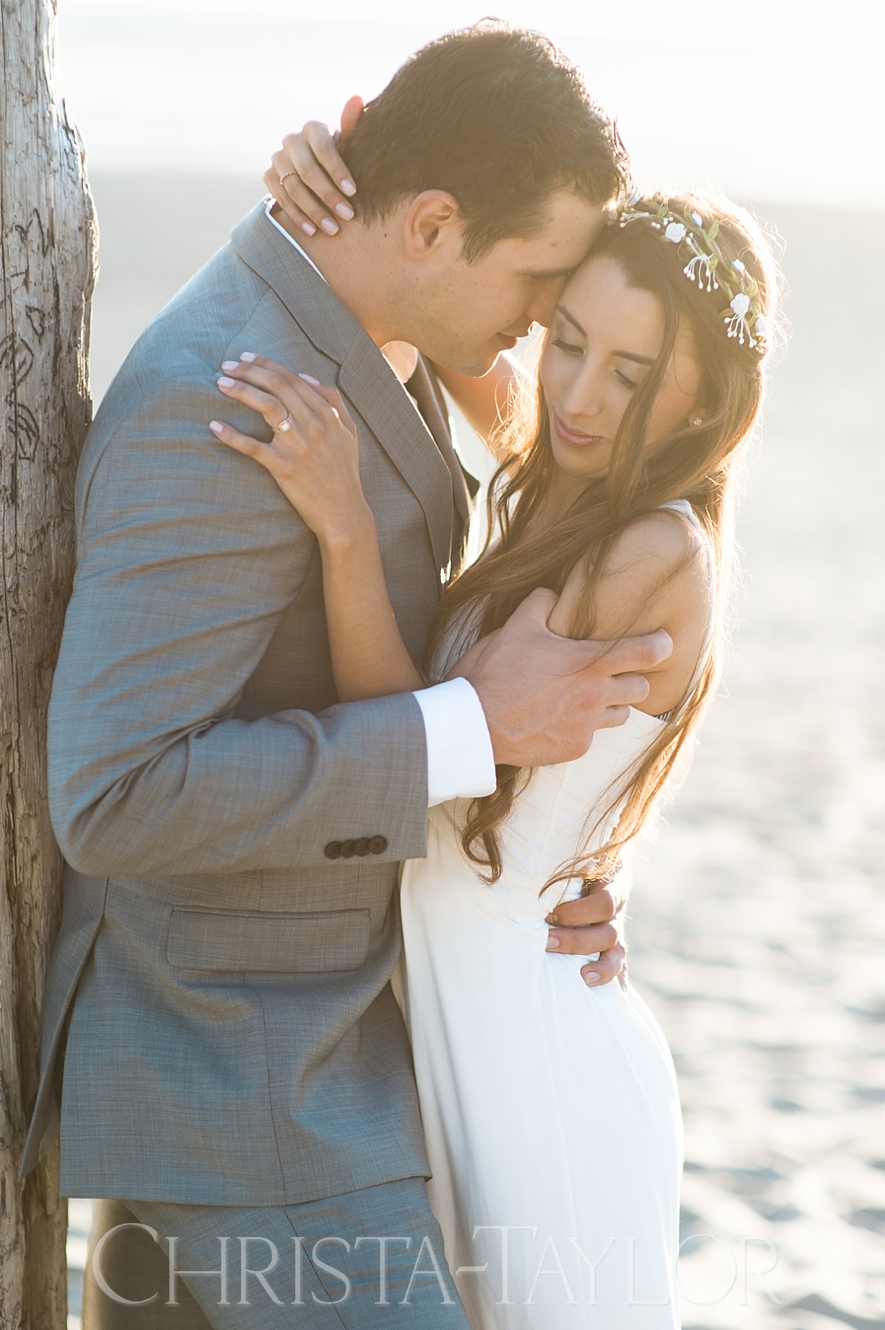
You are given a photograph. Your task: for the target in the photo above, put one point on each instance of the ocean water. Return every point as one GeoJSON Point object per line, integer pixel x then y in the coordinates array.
{"type": "Point", "coordinates": [777, 101]}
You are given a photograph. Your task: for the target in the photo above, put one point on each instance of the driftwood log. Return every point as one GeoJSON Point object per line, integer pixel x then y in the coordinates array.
{"type": "Point", "coordinates": [47, 267]}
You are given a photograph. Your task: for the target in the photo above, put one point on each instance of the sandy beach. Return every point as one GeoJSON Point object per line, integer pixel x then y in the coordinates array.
{"type": "Point", "coordinates": [757, 926]}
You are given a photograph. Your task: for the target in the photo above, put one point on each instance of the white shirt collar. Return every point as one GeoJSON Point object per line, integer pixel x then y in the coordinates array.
{"type": "Point", "coordinates": [283, 232]}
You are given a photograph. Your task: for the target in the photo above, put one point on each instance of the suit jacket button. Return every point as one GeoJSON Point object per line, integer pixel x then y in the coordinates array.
{"type": "Point", "coordinates": [348, 849]}
{"type": "Point", "coordinates": [333, 850]}
{"type": "Point", "coordinates": [378, 844]}
{"type": "Point", "coordinates": [361, 847]}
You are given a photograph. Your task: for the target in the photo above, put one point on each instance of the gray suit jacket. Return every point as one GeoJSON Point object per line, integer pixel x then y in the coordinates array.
{"type": "Point", "coordinates": [220, 980]}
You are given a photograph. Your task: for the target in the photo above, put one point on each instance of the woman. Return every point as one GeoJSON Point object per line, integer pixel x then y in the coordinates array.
{"type": "Point", "coordinates": [614, 491]}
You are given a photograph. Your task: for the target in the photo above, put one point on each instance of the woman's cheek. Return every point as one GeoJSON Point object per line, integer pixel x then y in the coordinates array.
{"type": "Point", "coordinates": [554, 368]}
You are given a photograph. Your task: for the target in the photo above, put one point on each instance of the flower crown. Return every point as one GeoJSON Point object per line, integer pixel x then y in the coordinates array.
{"type": "Point", "coordinates": [708, 266]}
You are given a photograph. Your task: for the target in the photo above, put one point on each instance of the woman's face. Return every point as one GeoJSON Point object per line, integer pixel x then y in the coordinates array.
{"type": "Point", "coordinates": [604, 338]}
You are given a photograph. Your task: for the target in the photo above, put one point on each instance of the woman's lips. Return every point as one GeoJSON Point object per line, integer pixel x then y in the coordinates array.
{"type": "Point", "coordinates": [576, 440]}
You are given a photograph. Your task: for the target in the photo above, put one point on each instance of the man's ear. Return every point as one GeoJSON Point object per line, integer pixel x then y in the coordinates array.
{"type": "Point", "coordinates": [432, 225]}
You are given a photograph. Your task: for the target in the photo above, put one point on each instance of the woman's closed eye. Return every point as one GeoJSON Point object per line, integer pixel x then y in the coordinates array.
{"type": "Point", "coordinates": [570, 348]}
{"type": "Point", "coordinates": [629, 384]}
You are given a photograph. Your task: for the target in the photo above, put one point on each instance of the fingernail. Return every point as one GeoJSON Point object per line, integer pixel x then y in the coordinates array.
{"type": "Point", "coordinates": [552, 919]}
{"type": "Point", "coordinates": [344, 210]}
{"type": "Point", "coordinates": [590, 977]}
{"type": "Point", "coordinates": [552, 942]}
{"type": "Point", "coordinates": [225, 382]}
{"type": "Point", "coordinates": [248, 356]}
{"type": "Point", "coordinates": [348, 188]}
{"type": "Point", "coordinates": [232, 364]}
{"type": "Point", "coordinates": [330, 227]}
{"type": "Point", "coordinates": [308, 228]}
{"type": "Point", "coordinates": [308, 378]}
{"type": "Point", "coordinates": [216, 426]}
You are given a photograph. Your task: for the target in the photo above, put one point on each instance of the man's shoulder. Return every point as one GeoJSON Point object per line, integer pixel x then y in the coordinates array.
{"type": "Point", "coordinates": [182, 348]}
{"type": "Point", "coordinates": [201, 318]}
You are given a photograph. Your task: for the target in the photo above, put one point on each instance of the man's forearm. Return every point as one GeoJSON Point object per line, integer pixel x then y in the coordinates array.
{"type": "Point", "coordinates": [239, 796]}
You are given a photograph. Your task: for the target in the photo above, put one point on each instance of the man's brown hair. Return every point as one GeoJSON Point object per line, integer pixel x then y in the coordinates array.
{"type": "Point", "coordinates": [496, 116]}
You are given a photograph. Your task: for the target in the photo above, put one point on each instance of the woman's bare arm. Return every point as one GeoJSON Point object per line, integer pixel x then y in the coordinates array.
{"type": "Point", "coordinates": [315, 462]}
{"type": "Point", "coordinates": [369, 657]}
{"type": "Point", "coordinates": [658, 575]}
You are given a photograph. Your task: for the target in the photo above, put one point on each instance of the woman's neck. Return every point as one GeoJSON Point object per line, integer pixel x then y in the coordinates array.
{"type": "Point", "coordinates": [562, 491]}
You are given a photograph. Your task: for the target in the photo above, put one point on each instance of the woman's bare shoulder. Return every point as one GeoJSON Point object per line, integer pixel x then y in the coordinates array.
{"type": "Point", "coordinates": [660, 573]}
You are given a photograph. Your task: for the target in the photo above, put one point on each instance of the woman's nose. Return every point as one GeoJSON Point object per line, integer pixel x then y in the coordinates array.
{"type": "Point", "coordinates": [583, 399]}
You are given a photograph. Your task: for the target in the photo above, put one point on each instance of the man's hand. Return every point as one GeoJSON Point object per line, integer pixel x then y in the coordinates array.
{"type": "Point", "coordinates": [545, 696]}
{"type": "Point", "coordinates": [593, 923]}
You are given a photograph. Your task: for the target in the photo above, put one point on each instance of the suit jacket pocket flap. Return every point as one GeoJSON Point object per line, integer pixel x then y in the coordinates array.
{"type": "Point", "coordinates": [271, 942]}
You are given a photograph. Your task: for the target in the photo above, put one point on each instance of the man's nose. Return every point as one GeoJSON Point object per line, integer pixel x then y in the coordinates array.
{"type": "Point", "coordinates": [543, 304]}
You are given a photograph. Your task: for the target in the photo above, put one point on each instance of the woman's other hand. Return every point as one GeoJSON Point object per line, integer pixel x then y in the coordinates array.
{"type": "Point", "coordinates": [309, 180]}
{"type": "Point", "coordinates": [314, 453]}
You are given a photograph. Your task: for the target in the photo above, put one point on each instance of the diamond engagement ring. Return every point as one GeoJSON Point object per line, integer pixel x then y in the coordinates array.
{"type": "Point", "coordinates": [284, 425]}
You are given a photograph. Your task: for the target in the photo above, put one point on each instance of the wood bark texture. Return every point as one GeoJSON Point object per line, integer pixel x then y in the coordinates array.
{"type": "Point", "coordinates": [47, 265]}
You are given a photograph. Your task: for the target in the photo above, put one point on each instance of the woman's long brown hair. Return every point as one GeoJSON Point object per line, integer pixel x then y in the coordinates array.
{"type": "Point", "coordinates": [697, 464]}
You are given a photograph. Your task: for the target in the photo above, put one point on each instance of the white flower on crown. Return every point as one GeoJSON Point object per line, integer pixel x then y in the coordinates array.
{"type": "Point", "coordinates": [700, 270]}
{"type": "Point", "coordinates": [737, 325]}
{"type": "Point", "coordinates": [709, 268]}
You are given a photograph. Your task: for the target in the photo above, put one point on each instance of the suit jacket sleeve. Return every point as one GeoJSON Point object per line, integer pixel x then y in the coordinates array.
{"type": "Point", "coordinates": [189, 554]}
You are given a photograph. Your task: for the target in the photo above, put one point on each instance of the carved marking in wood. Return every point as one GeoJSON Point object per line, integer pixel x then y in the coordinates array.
{"type": "Point", "coordinates": [17, 359]}
{"type": "Point", "coordinates": [26, 431]}
{"type": "Point", "coordinates": [37, 320]}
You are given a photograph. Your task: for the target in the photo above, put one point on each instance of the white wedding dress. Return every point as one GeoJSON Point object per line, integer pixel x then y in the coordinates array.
{"type": "Point", "coordinates": [550, 1109]}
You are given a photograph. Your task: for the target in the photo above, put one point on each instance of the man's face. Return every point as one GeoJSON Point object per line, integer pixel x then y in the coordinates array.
{"type": "Point", "coordinates": [467, 314]}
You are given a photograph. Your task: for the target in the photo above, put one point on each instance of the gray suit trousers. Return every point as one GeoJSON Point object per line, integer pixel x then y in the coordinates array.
{"type": "Point", "coordinates": [370, 1258]}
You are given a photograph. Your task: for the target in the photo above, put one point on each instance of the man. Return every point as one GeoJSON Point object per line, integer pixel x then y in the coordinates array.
{"type": "Point", "coordinates": [236, 1070]}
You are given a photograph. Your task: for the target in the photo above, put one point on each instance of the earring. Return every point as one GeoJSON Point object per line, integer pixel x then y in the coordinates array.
{"type": "Point", "coordinates": [696, 420]}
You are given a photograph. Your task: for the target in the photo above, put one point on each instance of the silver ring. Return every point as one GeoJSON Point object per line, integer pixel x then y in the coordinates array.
{"type": "Point", "coordinates": [284, 425]}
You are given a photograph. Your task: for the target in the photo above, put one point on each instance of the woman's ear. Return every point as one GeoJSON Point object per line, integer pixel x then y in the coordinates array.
{"type": "Point", "coordinates": [699, 415]}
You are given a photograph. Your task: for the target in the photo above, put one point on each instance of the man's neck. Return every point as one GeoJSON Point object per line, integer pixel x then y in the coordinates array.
{"type": "Point", "coordinates": [356, 265]}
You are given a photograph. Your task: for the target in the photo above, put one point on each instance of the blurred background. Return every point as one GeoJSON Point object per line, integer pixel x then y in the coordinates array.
{"type": "Point", "coordinates": [758, 923]}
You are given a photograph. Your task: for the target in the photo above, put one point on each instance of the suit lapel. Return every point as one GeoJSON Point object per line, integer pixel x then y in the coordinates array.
{"type": "Point", "coordinates": [367, 380]}
{"type": "Point", "coordinates": [423, 386]}
{"type": "Point", "coordinates": [364, 377]}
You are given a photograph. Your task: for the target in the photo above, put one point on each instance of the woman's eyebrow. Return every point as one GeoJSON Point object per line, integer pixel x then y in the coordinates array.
{"type": "Point", "coordinates": [622, 355]}
{"type": "Point", "coordinates": [561, 309]}
{"type": "Point", "coordinates": [631, 355]}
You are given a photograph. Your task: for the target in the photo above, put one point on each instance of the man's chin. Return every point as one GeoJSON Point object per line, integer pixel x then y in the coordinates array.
{"type": "Point", "coordinates": [477, 366]}
{"type": "Point", "coordinates": [471, 361]}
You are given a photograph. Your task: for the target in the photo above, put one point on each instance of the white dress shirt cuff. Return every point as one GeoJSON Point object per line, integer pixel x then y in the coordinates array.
{"type": "Point", "coordinates": [460, 761]}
